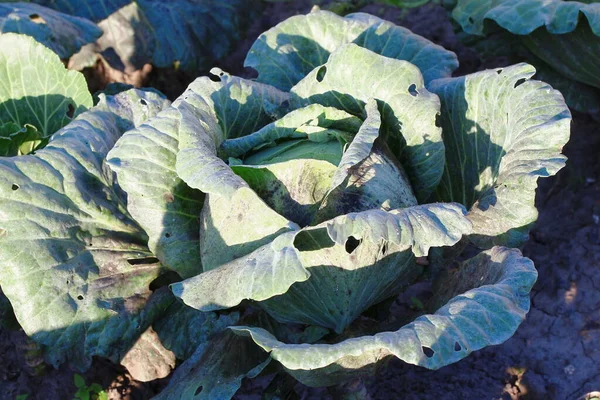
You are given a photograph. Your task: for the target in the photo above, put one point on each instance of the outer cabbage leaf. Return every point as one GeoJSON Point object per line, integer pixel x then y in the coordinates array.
{"type": "Point", "coordinates": [408, 110]}
{"type": "Point", "coordinates": [419, 227]}
{"type": "Point", "coordinates": [289, 51]}
{"type": "Point", "coordinates": [216, 369]}
{"type": "Point", "coordinates": [502, 131]}
{"type": "Point", "coordinates": [61, 33]}
{"type": "Point", "coordinates": [190, 34]}
{"type": "Point", "coordinates": [522, 17]}
{"type": "Point", "coordinates": [36, 88]}
{"type": "Point", "coordinates": [578, 96]}
{"type": "Point", "coordinates": [183, 329]}
{"type": "Point", "coordinates": [331, 284]}
{"type": "Point", "coordinates": [574, 54]}
{"type": "Point", "coordinates": [359, 259]}
{"type": "Point", "coordinates": [75, 265]}
{"type": "Point", "coordinates": [551, 29]}
{"type": "Point", "coordinates": [148, 359]}
{"type": "Point", "coordinates": [488, 299]}
{"type": "Point", "coordinates": [266, 272]}
{"type": "Point", "coordinates": [166, 208]}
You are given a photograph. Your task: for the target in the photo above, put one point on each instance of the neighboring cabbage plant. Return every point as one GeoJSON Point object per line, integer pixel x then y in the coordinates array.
{"type": "Point", "coordinates": [62, 33]}
{"type": "Point", "coordinates": [74, 265]}
{"type": "Point", "coordinates": [351, 168]}
{"type": "Point", "coordinates": [38, 96]}
{"type": "Point", "coordinates": [560, 38]}
{"type": "Point", "coordinates": [186, 34]}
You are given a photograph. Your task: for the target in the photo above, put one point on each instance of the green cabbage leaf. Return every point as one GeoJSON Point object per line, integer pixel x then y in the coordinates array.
{"type": "Point", "coordinates": [560, 38]}
{"type": "Point", "coordinates": [62, 33]}
{"type": "Point", "coordinates": [75, 265]}
{"type": "Point", "coordinates": [38, 95]}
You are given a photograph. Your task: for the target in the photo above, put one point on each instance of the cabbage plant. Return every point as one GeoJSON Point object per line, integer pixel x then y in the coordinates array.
{"type": "Point", "coordinates": [329, 183]}
{"type": "Point", "coordinates": [561, 38]}
{"type": "Point", "coordinates": [290, 208]}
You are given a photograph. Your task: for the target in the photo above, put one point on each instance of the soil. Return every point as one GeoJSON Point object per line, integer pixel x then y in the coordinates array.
{"type": "Point", "coordinates": [553, 355]}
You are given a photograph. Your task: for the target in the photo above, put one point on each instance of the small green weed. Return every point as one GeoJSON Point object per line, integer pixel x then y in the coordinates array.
{"type": "Point", "coordinates": [416, 304]}
{"type": "Point", "coordinates": [85, 392]}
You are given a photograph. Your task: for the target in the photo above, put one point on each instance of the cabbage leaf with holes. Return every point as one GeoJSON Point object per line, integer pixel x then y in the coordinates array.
{"type": "Point", "coordinates": [560, 38]}
{"type": "Point", "coordinates": [75, 265]}
{"type": "Point", "coordinates": [64, 34]}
